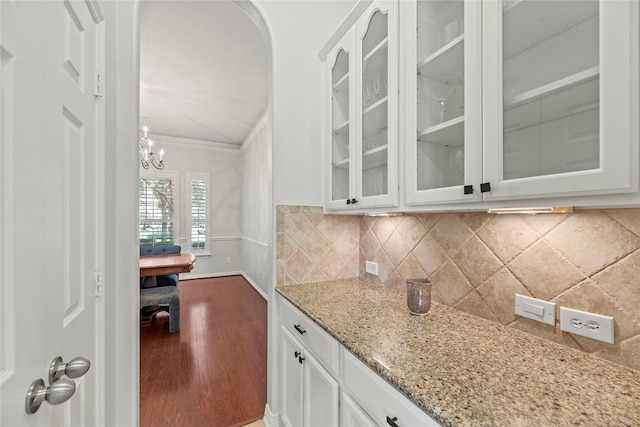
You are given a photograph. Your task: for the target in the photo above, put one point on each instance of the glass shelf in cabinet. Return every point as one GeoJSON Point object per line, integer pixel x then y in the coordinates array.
{"type": "Point", "coordinates": [375, 158]}
{"type": "Point", "coordinates": [342, 129]}
{"type": "Point", "coordinates": [446, 61]}
{"type": "Point", "coordinates": [381, 47]}
{"type": "Point", "coordinates": [342, 85]}
{"type": "Point", "coordinates": [553, 87]}
{"type": "Point", "coordinates": [375, 105]}
{"type": "Point", "coordinates": [450, 132]}
{"type": "Point", "coordinates": [342, 164]}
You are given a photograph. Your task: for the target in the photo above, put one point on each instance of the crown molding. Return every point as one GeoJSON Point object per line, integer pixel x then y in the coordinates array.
{"type": "Point", "coordinates": [196, 143]}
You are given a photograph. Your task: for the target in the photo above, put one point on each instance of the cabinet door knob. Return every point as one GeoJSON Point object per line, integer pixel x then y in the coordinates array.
{"type": "Point", "coordinates": [300, 359]}
{"type": "Point", "coordinates": [468, 189]}
{"type": "Point", "coordinates": [296, 354]}
{"type": "Point", "coordinates": [354, 201]}
{"type": "Point", "coordinates": [348, 201]}
{"type": "Point", "coordinates": [392, 421]}
{"type": "Point", "coordinates": [485, 187]}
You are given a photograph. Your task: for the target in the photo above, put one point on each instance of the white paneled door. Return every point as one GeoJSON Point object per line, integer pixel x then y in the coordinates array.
{"type": "Point", "coordinates": [51, 197]}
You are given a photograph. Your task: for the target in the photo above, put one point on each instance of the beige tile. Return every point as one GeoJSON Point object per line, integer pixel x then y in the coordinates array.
{"type": "Point", "coordinates": [298, 265]}
{"type": "Point", "coordinates": [430, 256]}
{"type": "Point", "coordinates": [312, 210]}
{"type": "Point", "coordinates": [544, 223]}
{"type": "Point", "coordinates": [289, 247]}
{"type": "Point", "coordinates": [411, 230]}
{"type": "Point", "coordinates": [592, 240]}
{"type": "Point", "coordinates": [451, 284]}
{"type": "Point", "coordinates": [346, 272]}
{"type": "Point", "coordinates": [450, 233]}
{"type": "Point", "coordinates": [436, 296]}
{"type": "Point", "coordinates": [315, 245]}
{"type": "Point", "coordinates": [385, 266]}
{"type": "Point", "coordinates": [383, 228]}
{"type": "Point", "coordinates": [507, 236]}
{"type": "Point", "coordinates": [499, 294]}
{"type": "Point", "coordinates": [396, 249]}
{"type": "Point", "coordinates": [332, 227]}
{"type": "Point", "coordinates": [548, 332]}
{"type": "Point", "coordinates": [314, 218]}
{"type": "Point", "coordinates": [589, 297]}
{"type": "Point", "coordinates": [476, 261]}
{"type": "Point", "coordinates": [474, 220]}
{"type": "Point", "coordinates": [280, 273]}
{"type": "Point", "coordinates": [370, 246]}
{"type": "Point", "coordinates": [314, 275]}
{"type": "Point", "coordinates": [349, 240]}
{"type": "Point", "coordinates": [280, 236]}
{"type": "Point", "coordinates": [429, 220]}
{"type": "Point", "coordinates": [622, 282]}
{"type": "Point", "coordinates": [298, 227]}
{"type": "Point", "coordinates": [395, 281]}
{"type": "Point", "coordinates": [353, 262]}
{"type": "Point", "coordinates": [331, 263]}
{"type": "Point", "coordinates": [473, 303]}
{"type": "Point", "coordinates": [543, 271]}
{"type": "Point", "coordinates": [628, 218]}
{"type": "Point", "coordinates": [410, 268]}
{"type": "Point", "coordinates": [629, 351]}
{"type": "Point", "coordinates": [280, 214]}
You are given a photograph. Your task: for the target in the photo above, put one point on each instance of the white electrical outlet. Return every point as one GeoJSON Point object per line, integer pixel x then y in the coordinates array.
{"type": "Point", "coordinates": [536, 309]}
{"type": "Point", "coordinates": [371, 267]}
{"type": "Point", "coordinates": [590, 325]}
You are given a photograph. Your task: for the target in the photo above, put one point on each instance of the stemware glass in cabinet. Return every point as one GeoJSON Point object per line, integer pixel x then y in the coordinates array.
{"type": "Point", "coordinates": [340, 125]}
{"type": "Point", "coordinates": [440, 94]}
{"type": "Point", "coordinates": [375, 50]}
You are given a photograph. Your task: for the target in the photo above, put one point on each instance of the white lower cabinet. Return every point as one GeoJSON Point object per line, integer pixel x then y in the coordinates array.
{"type": "Point", "coordinates": [324, 385]}
{"type": "Point", "coordinates": [384, 405]}
{"type": "Point", "coordinates": [351, 415]}
{"type": "Point", "coordinates": [309, 393]}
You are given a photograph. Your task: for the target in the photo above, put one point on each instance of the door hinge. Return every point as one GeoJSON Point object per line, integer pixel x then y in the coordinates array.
{"type": "Point", "coordinates": [99, 284]}
{"type": "Point", "coordinates": [99, 84]}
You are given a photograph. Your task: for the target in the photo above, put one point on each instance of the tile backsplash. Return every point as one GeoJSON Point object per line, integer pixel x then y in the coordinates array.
{"type": "Point", "coordinates": [589, 260]}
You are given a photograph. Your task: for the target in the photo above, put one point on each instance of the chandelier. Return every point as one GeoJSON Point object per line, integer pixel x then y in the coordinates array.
{"type": "Point", "coordinates": [147, 156]}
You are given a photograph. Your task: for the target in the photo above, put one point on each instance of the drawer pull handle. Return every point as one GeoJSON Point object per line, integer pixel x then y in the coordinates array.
{"type": "Point", "coordinates": [296, 354]}
{"type": "Point", "coordinates": [299, 329]}
{"type": "Point", "coordinates": [392, 421]}
{"type": "Point", "coordinates": [300, 359]}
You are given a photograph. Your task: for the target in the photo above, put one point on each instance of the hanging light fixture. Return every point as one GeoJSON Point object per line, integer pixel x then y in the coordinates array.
{"type": "Point", "coordinates": [147, 156]}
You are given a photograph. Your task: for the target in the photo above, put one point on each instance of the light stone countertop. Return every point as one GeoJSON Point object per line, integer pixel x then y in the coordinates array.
{"type": "Point", "coordinates": [468, 371]}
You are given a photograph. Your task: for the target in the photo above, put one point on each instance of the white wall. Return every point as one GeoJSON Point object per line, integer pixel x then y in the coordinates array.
{"type": "Point", "coordinates": [299, 29]}
{"type": "Point", "coordinates": [256, 183]}
{"type": "Point", "coordinates": [225, 169]}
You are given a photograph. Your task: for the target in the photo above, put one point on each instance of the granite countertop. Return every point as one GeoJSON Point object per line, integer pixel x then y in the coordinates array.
{"type": "Point", "coordinates": [467, 371]}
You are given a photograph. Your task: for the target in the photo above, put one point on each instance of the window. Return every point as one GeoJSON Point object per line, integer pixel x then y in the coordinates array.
{"type": "Point", "coordinates": [157, 214]}
{"type": "Point", "coordinates": [198, 212]}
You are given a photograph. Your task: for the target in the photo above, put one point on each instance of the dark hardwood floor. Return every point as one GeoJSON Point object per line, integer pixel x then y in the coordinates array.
{"type": "Point", "coordinates": [214, 371]}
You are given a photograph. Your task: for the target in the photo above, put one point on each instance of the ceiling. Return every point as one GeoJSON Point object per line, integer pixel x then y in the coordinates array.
{"type": "Point", "coordinates": [203, 71]}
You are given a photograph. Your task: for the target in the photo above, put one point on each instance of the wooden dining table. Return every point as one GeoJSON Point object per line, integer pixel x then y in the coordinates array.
{"type": "Point", "coordinates": [156, 265]}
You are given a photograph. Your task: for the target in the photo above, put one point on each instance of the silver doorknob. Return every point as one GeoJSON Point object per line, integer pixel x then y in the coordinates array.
{"type": "Point", "coordinates": [74, 369]}
{"type": "Point", "coordinates": [57, 393]}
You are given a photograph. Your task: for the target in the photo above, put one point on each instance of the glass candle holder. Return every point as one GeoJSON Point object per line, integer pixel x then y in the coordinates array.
{"type": "Point", "coordinates": [419, 296]}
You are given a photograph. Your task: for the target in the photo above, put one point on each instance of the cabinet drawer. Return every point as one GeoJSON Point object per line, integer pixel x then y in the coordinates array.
{"type": "Point", "coordinates": [317, 340]}
{"type": "Point", "coordinates": [378, 398]}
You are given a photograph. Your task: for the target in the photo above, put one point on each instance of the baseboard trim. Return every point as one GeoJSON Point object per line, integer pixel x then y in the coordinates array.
{"type": "Point", "coordinates": [270, 419]}
{"type": "Point", "coordinates": [256, 287]}
{"type": "Point", "coordinates": [188, 276]}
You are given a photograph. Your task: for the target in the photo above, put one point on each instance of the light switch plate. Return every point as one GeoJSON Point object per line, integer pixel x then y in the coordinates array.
{"type": "Point", "coordinates": [371, 267]}
{"type": "Point", "coordinates": [536, 309]}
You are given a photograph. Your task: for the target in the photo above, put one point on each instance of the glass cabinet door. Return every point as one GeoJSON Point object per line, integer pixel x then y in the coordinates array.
{"type": "Point", "coordinates": [550, 78]}
{"type": "Point", "coordinates": [444, 132]}
{"type": "Point", "coordinates": [377, 171]}
{"type": "Point", "coordinates": [440, 92]}
{"type": "Point", "coordinates": [561, 123]}
{"type": "Point", "coordinates": [340, 127]}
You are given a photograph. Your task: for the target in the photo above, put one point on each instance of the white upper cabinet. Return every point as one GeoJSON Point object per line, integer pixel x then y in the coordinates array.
{"type": "Point", "coordinates": [443, 89]}
{"type": "Point", "coordinates": [489, 103]}
{"type": "Point", "coordinates": [560, 83]}
{"type": "Point", "coordinates": [363, 144]}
